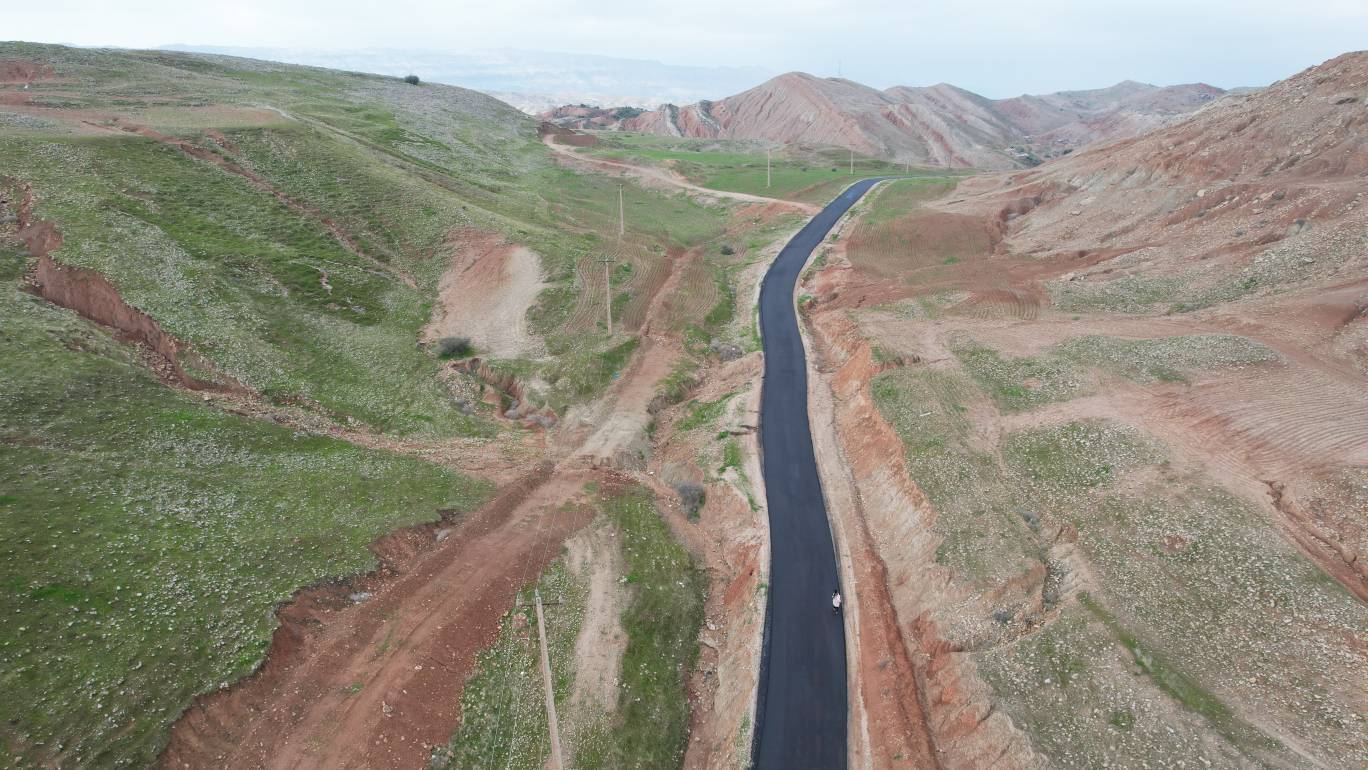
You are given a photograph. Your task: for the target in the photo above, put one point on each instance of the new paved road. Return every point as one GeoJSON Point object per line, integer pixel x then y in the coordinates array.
{"type": "Point", "coordinates": [801, 717]}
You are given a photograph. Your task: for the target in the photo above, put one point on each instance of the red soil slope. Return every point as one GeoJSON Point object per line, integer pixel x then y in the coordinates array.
{"type": "Point", "coordinates": [939, 125]}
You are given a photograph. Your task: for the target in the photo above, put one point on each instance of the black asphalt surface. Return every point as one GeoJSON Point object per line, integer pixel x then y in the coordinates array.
{"type": "Point", "coordinates": [801, 710]}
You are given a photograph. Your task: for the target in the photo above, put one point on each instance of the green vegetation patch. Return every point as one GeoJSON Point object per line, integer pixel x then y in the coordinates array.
{"type": "Point", "coordinates": [1196, 608]}
{"type": "Point", "coordinates": [503, 705]}
{"type": "Point", "coordinates": [813, 176]}
{"type": "Point", "coordinates": [901, 197]}
{"type": "Point", "coordinates": [662, 621]}
{"type": "Point", "coordinates": [1077, 456]}
{"type": "Point", "coordinates": [985, 535]}
{"type": "Point", "coordinates": [1018, 384]}
{"type": "Point", "coordinates": [1175, 683]}
{"type": "Point", "coordinates": [704, 413]}
{"type": "Point", "coordinates": [268, 296]}
{"type": "Point", "coordinates": [146, 537]}
{"type": "Point", "coordinates": [1166, 359]}
{"type": "Point", "coordinates": [1127, 294]}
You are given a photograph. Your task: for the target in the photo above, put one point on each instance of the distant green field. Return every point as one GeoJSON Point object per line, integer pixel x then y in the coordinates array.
{"type": "Point", "coordinates": [814, 177]}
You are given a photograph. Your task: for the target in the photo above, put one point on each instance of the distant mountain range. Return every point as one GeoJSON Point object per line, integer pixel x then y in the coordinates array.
{"type": "Point", "coordinates": [532, 81]}
{"type": "Point", "coordinates": [939, 125]}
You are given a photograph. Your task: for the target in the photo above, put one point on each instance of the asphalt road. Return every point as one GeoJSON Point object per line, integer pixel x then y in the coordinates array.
{"type": "Point", "coordinates": [801, 711]}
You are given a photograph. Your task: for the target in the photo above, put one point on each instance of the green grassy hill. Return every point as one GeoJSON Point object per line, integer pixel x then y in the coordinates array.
{"type": "Point", "coordinates": [286, 224]}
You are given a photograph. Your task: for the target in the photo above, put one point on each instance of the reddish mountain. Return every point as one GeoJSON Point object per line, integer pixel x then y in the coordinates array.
{"type": "Point", "coordinates": [939, 125]}
{"type": "Point", "coordinates": [1252, 170]}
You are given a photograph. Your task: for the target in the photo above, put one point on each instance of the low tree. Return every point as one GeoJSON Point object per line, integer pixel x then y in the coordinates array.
{"type": "Point", "coordinates": [453, 347]}
{"type": "Point", "coordinates": [691, 498]}
{"type": "Point", "coordinates": [411, 79]}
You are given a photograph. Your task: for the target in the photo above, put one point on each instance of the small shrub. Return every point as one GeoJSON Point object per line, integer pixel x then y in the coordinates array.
{"type": "Point", "coordinates": [411, 79]}
{"type": "Point", "coordinates": [727, 250]}
{"type": "Point", "coordinates": [1122, 719]}
{"type": "Point", "coordinates": [453, 347]}
{"type": "Point", "coordinates": [691, 498]}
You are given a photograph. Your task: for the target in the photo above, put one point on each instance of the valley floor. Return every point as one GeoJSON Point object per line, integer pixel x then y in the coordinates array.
{"type": "Point", "coordinates": [309, 393]}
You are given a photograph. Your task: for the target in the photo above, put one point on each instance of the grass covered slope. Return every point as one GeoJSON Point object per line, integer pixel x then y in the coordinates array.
{"type": "Point", "coordinates": [801, 174]}
{"type": "Point", "coordinates": [290, 226]}
{"type": "Point", "coordinates": [504, 722]}
{"type": "Point", "coordinates": [147, 538]}
{"type": "Point", "coordinates": [292, 223]}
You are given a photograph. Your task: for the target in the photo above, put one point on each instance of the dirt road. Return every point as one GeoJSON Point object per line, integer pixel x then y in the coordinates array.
{"type": "Point", "coordinates": [665, 176]}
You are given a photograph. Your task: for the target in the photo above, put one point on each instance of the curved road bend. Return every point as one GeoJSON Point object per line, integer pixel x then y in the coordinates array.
{"type": "Point", "coordinates": [801, 709]}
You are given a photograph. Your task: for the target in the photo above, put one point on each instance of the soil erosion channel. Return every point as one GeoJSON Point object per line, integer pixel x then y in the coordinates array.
{"type": "Point", "coordinates": [801, 717]}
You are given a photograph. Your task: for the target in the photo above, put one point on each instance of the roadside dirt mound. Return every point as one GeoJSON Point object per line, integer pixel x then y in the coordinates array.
{"type": "Point", "coordinates": [368, 672]}
{"type": "Point", "coordinates": [728, 538]}
{"type": "Point", "coordinates": [485, 294]}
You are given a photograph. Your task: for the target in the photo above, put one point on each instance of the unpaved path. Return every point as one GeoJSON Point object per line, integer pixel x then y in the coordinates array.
{"type": "Point", "coordinates": [665, 176]}
{"type": "Point", "coordinates": [376, 683]}
{"type": "Point", "coordinates": [612, 444]}
{"type": "Point", "coordinates": [369, 672]}
{"type": "Point", "coordinates": [596, 554]}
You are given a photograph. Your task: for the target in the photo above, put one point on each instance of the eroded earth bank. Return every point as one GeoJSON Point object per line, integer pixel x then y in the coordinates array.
{"type": "Point", "coordinates": [1098, 447]}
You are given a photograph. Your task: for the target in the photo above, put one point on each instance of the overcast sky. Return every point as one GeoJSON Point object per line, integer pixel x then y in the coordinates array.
{"type": "Point", "coordinates": [993, 47]}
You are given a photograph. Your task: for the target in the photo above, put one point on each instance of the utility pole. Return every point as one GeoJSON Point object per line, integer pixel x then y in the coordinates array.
{"type": "Point", "coordinates": [608, 291]}
{"type": "Point", "coordinates": [622, 215]}
{"type": "Point", "coordinates": [767, 167]}
{"type": "Point", "coordinates": [852, 161]}
{"type": "Point", "coordinates": [556, 762]}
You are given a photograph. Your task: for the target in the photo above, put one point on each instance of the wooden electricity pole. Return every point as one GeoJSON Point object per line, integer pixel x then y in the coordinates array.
{"type": "Point", "coordinates": [767, 167]}
{"type": "Point", "coordinates": [622, 215]}
{"type": "Point", "coordinates": [557, 763]}
{"type": "Point", "coordinates": [852, 161]}
{"type": "Point", "coordinates": [608, 291]}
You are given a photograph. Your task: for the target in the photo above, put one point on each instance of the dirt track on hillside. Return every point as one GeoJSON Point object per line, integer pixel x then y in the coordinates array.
{"type": "Point", "coordinates": [657, 177]}
{"type": "Point", "coordinates": [368, 673]}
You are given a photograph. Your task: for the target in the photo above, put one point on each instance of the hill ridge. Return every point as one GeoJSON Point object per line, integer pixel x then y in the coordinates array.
{"type": "Point", "coordinates": [940, 125]}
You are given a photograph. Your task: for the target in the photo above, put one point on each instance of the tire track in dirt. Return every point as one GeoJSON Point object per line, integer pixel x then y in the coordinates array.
{"type": "Point", "coordinates": [662, 176]}
{"type": "Point", "coordinates": [368, 672]}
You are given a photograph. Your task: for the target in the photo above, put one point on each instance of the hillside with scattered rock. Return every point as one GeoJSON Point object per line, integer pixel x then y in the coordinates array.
{"type": "Point", "coordinates": [1107, 438]}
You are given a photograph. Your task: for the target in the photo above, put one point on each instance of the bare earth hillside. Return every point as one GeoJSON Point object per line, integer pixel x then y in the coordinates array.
{"type": "Point", "coordinates": [939, 125]}
{"type": "Point", "coordinates": [1107, 434]}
